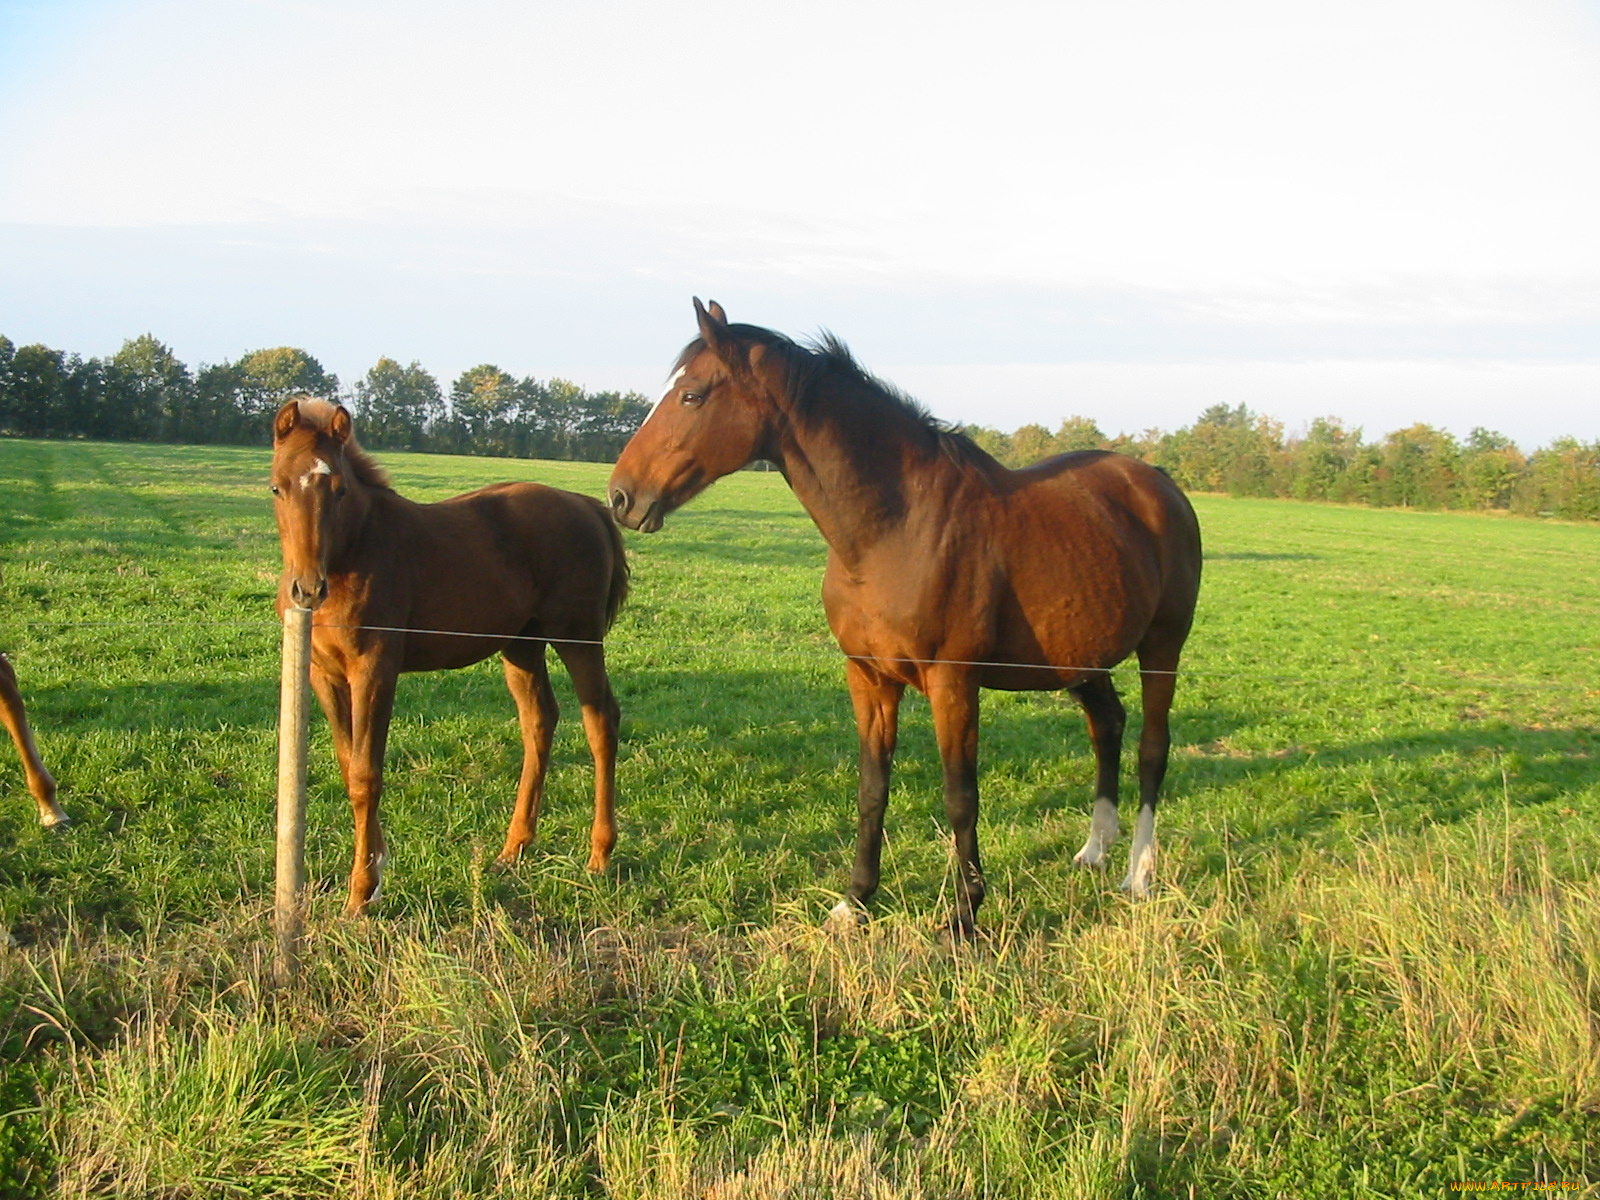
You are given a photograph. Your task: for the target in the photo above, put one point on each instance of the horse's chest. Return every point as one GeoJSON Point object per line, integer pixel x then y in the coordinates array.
{"type": "Point", "coordinates": [904, 608]}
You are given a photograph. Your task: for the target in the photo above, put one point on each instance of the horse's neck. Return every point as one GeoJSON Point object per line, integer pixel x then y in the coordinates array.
{"type": "Point", "coordinates": [855, 465]}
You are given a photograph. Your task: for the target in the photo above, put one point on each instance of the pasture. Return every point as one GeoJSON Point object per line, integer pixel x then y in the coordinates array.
{"type": "Point", "coordinates": [1370, 967]}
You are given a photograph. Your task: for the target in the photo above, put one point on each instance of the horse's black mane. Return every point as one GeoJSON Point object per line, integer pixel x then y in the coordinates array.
{"type": "Point", "coordinates": [808, 364]}
{"type": "Point", "coordinates": [318, 413]}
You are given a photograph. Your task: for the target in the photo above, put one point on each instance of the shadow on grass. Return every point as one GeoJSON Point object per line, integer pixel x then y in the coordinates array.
{"type": "Point", "coordinates": [736, 794]}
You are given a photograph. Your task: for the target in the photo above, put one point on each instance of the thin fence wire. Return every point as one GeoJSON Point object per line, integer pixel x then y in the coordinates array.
{"type": "Point", "coordinates": [820, 649]}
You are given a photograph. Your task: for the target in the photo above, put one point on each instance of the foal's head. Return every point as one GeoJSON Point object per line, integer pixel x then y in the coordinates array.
{"type": "Point", "coordinates": [719, 412]}
{"type": "Point", "coordinates": [315, 460]}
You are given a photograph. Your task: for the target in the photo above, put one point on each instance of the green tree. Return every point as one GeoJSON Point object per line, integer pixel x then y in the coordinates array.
{"type": "Point", "coordinates": [1562, 480]}
{"type": "Point", "coordinates": [397, 405]}
{"type": "Point", "coordinates": [34, 391]}
{"type": "Point", "coordinates": [483, 410]}
{"type": "Point", "coordinates": [1080, 433]}
{"type": "Point", "coordinates": [149, 394]}
{"type": "Point", "coordinates": [1327, 464]}
{"type": "Point", "coordinates": [1228, 450]}
{"type": "Point", "coordinates": [1489, 470]}
{"type": "Point", "coordinates": [1417, 468]}
{"type": "Point", "coordinates": [264, 379]}
{"type": "Point", "coordinates": [1029, 444]}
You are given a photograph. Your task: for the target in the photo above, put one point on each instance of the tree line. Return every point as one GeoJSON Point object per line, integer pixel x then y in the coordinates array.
{"type": "Point", "coordinates": [144, 393]}
{"type": "Point", "coordinates": [1231, 449]}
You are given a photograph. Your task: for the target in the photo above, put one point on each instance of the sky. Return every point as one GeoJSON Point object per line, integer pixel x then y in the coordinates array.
{"type": "Point", "coordinates": [1385, 212]}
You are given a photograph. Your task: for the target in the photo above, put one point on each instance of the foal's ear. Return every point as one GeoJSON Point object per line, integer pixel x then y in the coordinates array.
{"type": "Point", "coordinates": [341, 426]}
{"type": "Point", "coordinates": [288, 417]}
{"type": "Point", "coordinates": [713, 323]}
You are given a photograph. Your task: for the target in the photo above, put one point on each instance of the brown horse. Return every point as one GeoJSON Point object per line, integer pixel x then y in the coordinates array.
{"type": "Point", "coordinates": [946, 571]}
{"type": "Point", "coordinates": [15, 718]}
{"type": "Point", "coordinates": [400, 586]}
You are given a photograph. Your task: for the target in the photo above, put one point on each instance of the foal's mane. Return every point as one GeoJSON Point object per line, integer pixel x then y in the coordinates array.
{"type": "Point", "coordinates": [808, 367]}
{"type": "Point", "coordinates": [318, 415]}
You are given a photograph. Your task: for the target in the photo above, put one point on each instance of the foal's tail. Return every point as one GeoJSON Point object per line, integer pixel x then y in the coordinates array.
{"type": "Point", "coordinates": [618, 590]}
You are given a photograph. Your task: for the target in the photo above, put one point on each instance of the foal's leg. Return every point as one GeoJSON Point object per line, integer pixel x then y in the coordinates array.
{"type": "Point", "coordinates": [40, 782]}
{"type": "Point", "coordinates": [528, 678]}
{"type": "Point", "coordinates": [586, 663]}
{"type": "Point", "coordinates": [358, 711]}
{"type": "Point", "coordinates": [953, 694]}
{"type": "Point", "coordinates": [1106, 717]}
{"type": "Point", "coordinates": [877, 704]}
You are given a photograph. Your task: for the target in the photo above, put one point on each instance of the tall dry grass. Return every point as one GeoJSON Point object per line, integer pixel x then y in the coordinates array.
{"type": "Point", "coordinates": [1427, 1010]}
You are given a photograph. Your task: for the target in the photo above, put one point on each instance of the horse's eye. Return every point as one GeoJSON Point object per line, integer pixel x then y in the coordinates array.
{"type": "Point", "coordinates": [276, 490]}
{"type": "Point", "coordinates": [694, 398]}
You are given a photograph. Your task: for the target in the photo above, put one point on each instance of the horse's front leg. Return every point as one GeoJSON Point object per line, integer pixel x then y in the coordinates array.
{"type": "Point", "coordinates": [358, 711]}
{"type": "Point", "coordinates": [876, 700]}
{"type": "Point", "coordinates": [15, 717]}
{"type": "Point", "coordinates": [953, 695]}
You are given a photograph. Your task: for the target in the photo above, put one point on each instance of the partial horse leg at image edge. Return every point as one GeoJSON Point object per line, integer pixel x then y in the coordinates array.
{"type": "Point", "coordinates": [40, 782]}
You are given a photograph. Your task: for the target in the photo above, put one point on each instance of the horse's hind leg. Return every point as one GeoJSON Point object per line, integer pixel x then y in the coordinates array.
{"type": "Point", "coordinates": [953, 695]}
{"type": "Point", "coordinates": [586, 663]}
{"type": "Point", "coordinates": [1103, 709]}
{"type": "Point", "coordinates": [1158, 681]}
{"type": "Point", "coordinates": [40, 782]}
{"type": "Point", "coordinates": [528, 679]}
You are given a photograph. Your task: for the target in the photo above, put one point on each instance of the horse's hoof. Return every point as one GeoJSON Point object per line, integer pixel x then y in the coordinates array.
{"type": "Point", "coordinates": [1137, 889]}
{"type": "Point", "coordinates": [504, 862]}
{"type": "Point", "coordinates": [847, 916]}
{"type": "Point", "coordinates": [59, 824]}
{"type": "Point", "coordinates": [962, 927]}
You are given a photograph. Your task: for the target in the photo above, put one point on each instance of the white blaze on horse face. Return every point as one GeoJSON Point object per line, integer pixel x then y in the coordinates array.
{"type": "Point", "coordinates": [319, 467]}
{"type": "Point", "coordinates": [1103, 829]}
{"type": "Point", "coordinates": [666, 391]}
{"type": "Point", "coordinates": [1142, 858]}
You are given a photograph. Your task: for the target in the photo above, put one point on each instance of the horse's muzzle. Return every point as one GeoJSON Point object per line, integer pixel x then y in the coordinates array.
{"type": "Point", "coordinates": [646, 520]}
{"type": "Point", "coordinates": [302, 596]}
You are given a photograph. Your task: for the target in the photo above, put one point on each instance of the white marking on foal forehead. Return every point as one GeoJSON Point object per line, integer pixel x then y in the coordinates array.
{"type": "Point", "coordinates": [319, 467]}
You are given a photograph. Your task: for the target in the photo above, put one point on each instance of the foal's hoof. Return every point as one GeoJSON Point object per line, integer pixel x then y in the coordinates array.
{"type": "Point", "coordinates": [59, 823]}
{"type": "Point", "coordinates": [847, 916]}
{"type": "Point", "coordinates": [504, 861]}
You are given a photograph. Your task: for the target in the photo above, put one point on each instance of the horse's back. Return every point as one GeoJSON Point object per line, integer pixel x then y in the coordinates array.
{"type": "Point", "coordinates": [1117, 525]}
{"type": "Point", "coordinates": [554, 552]}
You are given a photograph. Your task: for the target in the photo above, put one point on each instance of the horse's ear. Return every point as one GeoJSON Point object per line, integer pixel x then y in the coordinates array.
{"type": "Point", "coordinates": [288, 417]}
{"type": "Point", "coordinates": [342, 425]}
{"type": "Point", "coordinates": [713, 324]}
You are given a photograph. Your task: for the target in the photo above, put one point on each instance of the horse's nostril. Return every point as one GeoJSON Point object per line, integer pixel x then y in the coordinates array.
{"type": "Point", "coordinates": [619, 502]}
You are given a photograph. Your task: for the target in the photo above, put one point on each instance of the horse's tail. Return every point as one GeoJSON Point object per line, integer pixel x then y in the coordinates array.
{"type": "Point", "coordinates": [618, 590]}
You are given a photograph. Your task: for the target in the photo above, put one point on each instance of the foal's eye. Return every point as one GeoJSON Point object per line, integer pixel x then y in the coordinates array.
{"type": "Point", "coordinates": [276, 490]}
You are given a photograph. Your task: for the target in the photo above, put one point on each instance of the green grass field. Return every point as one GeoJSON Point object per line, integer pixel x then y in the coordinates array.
{"type": "Point", "coordinates": [1371, 966]}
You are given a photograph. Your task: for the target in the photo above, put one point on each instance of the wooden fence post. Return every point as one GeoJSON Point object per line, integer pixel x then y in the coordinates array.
{"type": "Point", "coordinates": [293, 716]}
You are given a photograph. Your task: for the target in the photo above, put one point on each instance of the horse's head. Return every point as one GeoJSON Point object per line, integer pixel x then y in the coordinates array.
{"type": "Point", "coordinates": [716, 415]}
{"type": "Point", "coordinates": [310, 482]}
